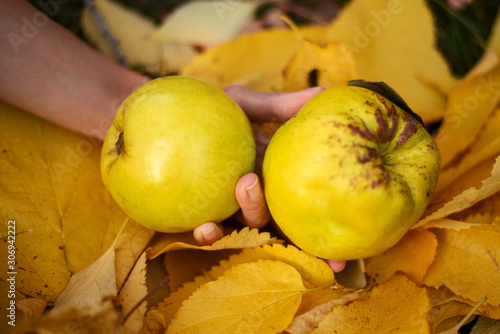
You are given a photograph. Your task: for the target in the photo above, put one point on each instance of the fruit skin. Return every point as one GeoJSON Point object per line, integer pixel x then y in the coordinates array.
{"type": "Point", "coordinates": [174, 153]}
{"type": "Point", "coordinates": [350, 174]}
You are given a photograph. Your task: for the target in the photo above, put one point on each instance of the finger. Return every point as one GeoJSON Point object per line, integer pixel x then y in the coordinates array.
{"type": "Point", "coordinates": [254, 212]}
{"type": "Point", "coordinates": [336, 266]}
{"type": "Point", "coordinates": [207, 233]}
{"type": "Point", "coordinates": [270, 107]}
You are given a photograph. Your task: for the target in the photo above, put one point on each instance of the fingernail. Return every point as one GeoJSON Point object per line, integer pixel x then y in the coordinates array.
{"type": "Point", "coordinates": [254, 192]}
{"type": "Point", "coordinates": [208, 233]}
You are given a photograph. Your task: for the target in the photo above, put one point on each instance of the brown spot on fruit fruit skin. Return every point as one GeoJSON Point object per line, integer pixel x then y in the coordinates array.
{"type": "Point", "coordinates": [409, 130]}
{"type": "Point", "coordinates": [363, 133]}
{"type": "Point", "coordinates": [119, 144]}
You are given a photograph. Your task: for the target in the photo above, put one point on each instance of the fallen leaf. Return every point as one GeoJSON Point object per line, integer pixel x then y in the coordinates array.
{"type": "Point", "coordinates": [252, 297]}
{"type": "Point", "coordinates": [312, 269]}
{"type": "Point", "coordinates": [485, 147]}
{"type": "Point", "coordinates": [53, 189]}
{"type": "Point", "coordinates": [90, 286]}
{"type": "Point", "coordinates": [184, 265]}
{"type": "Point", "coordinates": [397, 305]}
{"type": "Point", "coordinates": [387, 46]}
{"type": "Point", "coordinates": [353, 275]}
{"type": "Point", "coordinates": [216, 22]}
{"type": "Point", "coordinates": [131, 31]}
{"type": "Point", "coordinates": [468, 197]}
{"type": "Point", "coordinates": [255, 60]}
{"type": "Point", "coordinates": [154, 322]}
{"type": "Point", "coordinates": [466, 263]}
{"type": "Point", "coordinates": [470, 103]}
{"type": "Point", "coordinates": [446, 309]}
{"type": "Point", "coordinates": [308, 321]}
{"type": "Point", "coordinates": [327, 65]}
{"type": "Point", "coordinates": [244, 238]}
{"type": "Point", "coordinates": [486, 326]}
{"type": "Point", "coordinates": [133, 291]}
{"type": "Point", "coordinates": [418, 245]}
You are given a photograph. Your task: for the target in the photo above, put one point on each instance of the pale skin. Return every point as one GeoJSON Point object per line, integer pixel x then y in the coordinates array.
{"type": "Point", "coordinates": [53, 74]}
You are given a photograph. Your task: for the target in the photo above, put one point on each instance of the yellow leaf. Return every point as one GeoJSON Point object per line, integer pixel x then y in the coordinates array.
{"type": "Point", "coordinates": [154, 323]}
{"type": "Point", "coordinates": [470, 103]}
{"type": "Point", "coordinates": [307, 321]}
{"type": "Point", "coordinates": [312, 269]}
{"type": "Point", "coordinates": [486, 211]}
{"type": "Point", "coordinates": [52, 186]}
{"type": "Point", "coordinates": [131, 294]}
{"type": "Point", "coordinates": [397, 305]}
{"type": "Point", "coordinates": [467, 263]}
{"type": "Point", "coordinates": [129, 248]}
{"type": "Point", "coordinates": [445, 307]}
{"type": "Point", "coordinates": [132, 32]}
{"type": "Point", "coordinates": [261, 68]}
{"type": "Point", "coordinates": [256, 297]}
{"type": "Point", "coordinates": [325, 65]}
{"type": "Point", "coordinates": [485, 146]}
{"type": "Point", "coordinates": [244, 238]}
{"type": "Point", "coordinates": [90, 286]}
{"type": "Point", "coordinates": [394, 41]}
{"type": "Point", "coordinates": [468, 197]}
{"type": "Point", "coordinates": [418, 245]}
{"type": "Point", "coordinates": [216, 23]}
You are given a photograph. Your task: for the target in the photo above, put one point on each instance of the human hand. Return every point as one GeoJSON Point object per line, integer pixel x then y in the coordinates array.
{"type": "Point", "coordinates": [259, 107]}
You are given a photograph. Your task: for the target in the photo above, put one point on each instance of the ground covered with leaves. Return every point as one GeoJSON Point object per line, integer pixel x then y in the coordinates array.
{"type": "Point", "coordinates": [83, 265]}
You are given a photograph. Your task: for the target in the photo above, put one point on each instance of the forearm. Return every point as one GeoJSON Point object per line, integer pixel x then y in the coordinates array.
{"type": "Point", "coordinates": [51, 73]}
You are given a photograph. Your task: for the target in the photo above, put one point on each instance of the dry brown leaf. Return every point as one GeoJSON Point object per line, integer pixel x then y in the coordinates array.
{"type": "Point", "coordinates": [327, 65]}
{"type": "Point", "coordinates": [466, 263]}
{"type": "Point", "coordinates": [387, 46]}
{"type": "Point", "coordinates": [52, 187]}
{"type": "Point", "coordinates": [252, 297]}
{"type": "Point", "coordinates": [412, 255]}
{"type": "Point", "coordinates": [244, 238]}
{"type": "Point", "coordinates": [469, 104]}
{"type": "Point", "coordinates": [131, 294]}
{"type": "Point", "coordinates": [468, 197]}
{"type": "Point", "coordinates": [306, 322]}
{"type": "Point", "coordinates": [397, 305]}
